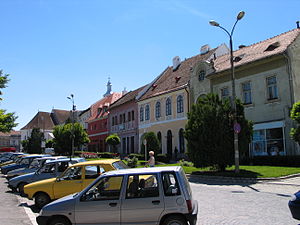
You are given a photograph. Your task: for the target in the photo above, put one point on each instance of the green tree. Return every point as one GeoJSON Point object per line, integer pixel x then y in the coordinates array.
{"type": "Point", "coordinates": [7, 120]}
{"type": "Point", "coordinates": [49, 143]}
{"type": "Point", "coordinates": [24, 144]}
{"type": "Point", "coordinates": [209, 132]}
{"type": "Point", "coordinates": [295, 115]}
{"type": "Point", "coordinates": [35, 141]}
{"type": "Point", "coordinates": [152, 143]}
{"type": "Point", "coordinates": [113, 140]}
{"type": "Point", "coordinates": [63, 138]}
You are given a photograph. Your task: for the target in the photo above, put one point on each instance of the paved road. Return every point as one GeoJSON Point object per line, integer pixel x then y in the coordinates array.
{"type": "Point", "coordinates": [220, 203]}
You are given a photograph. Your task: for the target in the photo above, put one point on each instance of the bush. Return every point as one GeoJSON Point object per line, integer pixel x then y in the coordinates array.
{"type": "Point", "coordinates": [138, 156]}
{"type": "Point", "coordinates": [290, 161]}
{"type": "Point", "coordinates": [108, 155]}
{"type": "Point", "coordinates": [186, 163]}
{"type": "Point", "coordinates": [132, 162]}
{"type": "Point", "coordinates": [162, 158]}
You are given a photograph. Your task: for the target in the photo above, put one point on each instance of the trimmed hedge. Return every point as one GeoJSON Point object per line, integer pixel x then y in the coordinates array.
{"type": "Point", "coordinates": [290, 161]}
{"type": "Point", "coordinates": [99, 154]}
{"type": "Point", "coordinates": [138, 156]}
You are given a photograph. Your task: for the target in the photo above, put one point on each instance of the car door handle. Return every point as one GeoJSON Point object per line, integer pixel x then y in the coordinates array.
{"type": "Point", "coordinates": [113, 204]}
{"type": "Point", "coordinates": [156, 202]}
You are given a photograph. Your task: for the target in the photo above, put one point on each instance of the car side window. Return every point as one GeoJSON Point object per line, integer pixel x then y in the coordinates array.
{"type": "Point", "coordinates": [142, 186]}
{"type": "Point", "coordinates": [92, 172]}
{"type": "Point", "coordinates": [73, 173]}
{"type": "Point", "coordinates": [170, 184]}
{"type": "Point", "coordinates": [107, 188]}
{"type": "Point", "coordinates": [62, 166]}
{"type": "Point", "coordinates": [48, 168]}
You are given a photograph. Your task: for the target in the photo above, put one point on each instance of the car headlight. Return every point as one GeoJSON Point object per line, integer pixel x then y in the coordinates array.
{"type": "Point", "coordinates": [294, 197]}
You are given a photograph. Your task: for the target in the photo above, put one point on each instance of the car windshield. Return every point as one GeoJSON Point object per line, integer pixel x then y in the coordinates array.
{"type": "Point", "coordinates": [35, 164]}
{"type": "Point", "coordinates": [120, 165]}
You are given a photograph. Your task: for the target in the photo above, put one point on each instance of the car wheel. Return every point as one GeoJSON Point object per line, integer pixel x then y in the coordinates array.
{"type": "Point", "coordinates": [175, 220]}
{"type": "Point", "coordinates": [41, 199]}
{"type": "Point", "coordinates": [59, 221]}
{"type": "Point", "coordinates": [21, 188]}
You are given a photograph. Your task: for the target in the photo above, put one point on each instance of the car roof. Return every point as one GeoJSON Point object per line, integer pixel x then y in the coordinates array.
{"type": "Point", "coordinates": [63, 160]}
{"type": "Point", "coordinates": [50, 157]}
{"type": "Point", "coordinates": [97, 162]}
{"type": "Point", "coordinates": [143, 170]}
{"type": "Point", "coordinates": [34, 156]}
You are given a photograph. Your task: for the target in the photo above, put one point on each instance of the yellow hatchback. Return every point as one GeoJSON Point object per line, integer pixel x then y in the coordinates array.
{"type": "Point", "coordinates": [74, 179]}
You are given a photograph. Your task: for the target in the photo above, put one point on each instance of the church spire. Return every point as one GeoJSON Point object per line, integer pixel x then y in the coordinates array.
{"type": "Point", "coordinates": [108, 91]}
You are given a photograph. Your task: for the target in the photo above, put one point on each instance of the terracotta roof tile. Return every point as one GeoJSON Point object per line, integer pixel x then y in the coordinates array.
{"type": "Point", "coordinates": [13, 132]}
{"type": "Point", "coordinates": [60, 116]}
{"type": "Point", "coordinates": [172, 80]}
{"type": "Point", "coordinates": [40, 120]}
{"type": "Point", "coordinates": [267, 48]}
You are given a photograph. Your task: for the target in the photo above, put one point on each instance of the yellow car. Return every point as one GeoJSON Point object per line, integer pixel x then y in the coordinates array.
{"type": "Point", "coordinates": [74, 179]}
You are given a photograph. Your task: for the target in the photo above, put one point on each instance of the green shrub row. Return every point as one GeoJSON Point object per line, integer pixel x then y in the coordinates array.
{"type": "Point", "coordinates": [100, 154]}
{"type": "Point", "coordinates": [291, 161]}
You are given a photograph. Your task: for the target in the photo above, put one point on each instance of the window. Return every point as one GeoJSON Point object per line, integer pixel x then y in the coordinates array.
{"type": "Point", "coordinates": [142, 113]}
{"type": "Point", "coordinates": [170, 184]}
{"type": "Point", "coordinates": [168, 107]}
{"type": "Point", "coordinates": [247, 98]}
{"type": "Point", "coordinates": [201, 75]}
{"type": "Point", "coordinates": [116, 120]}
{"type": "Point", "coordinates": [157, 110]}
{"type": "Point", "coordinates": [179, 104]}
{"type": "Point", "coordinates": [92, 172]}
{"type": "Point", "coordinates": [129, 116]}
{"type": "Point", "coordinates": [132, 115]}
{"type": "Point", "coordinates": [107, 188]}
{"type": "Point", "coordinates": [147, 112]}
{"type": "Point", "coordinates": [224, 92]}
{"type": "Point", "coordinates": [121, 119]}
{"type": "Point", "coordinates": [272, 92]}
{"type": "Point", "coordinates": [113, 121]}
{"type": "Point", "coordinates": [73, 173]}
{"type": "Point", "coordinates": [142, 186]}
{"type": "Point", "coordinates": [124, 118]}
{"type": "Point", "coordinates": [181, 141]}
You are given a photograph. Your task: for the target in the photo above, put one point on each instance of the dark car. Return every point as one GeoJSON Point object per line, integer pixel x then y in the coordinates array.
{"type": "Point", "coordinates": [294, 205]}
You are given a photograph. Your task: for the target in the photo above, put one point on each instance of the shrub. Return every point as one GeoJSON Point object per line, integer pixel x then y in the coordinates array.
{"type": "Point", "coordinates": [182, 162]}
{"type": "Point", "coordinates": [108, 155]}
{"type": "Point", "coordinates": [162, 158]}
{"type": "Point", "coordinates": [138, 156]}
{"type": "Point", "coordinates": [132, 162]}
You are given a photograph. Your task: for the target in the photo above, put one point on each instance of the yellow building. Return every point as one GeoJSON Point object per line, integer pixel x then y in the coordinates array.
{"type": "Point", "coordinates": [165, 103]}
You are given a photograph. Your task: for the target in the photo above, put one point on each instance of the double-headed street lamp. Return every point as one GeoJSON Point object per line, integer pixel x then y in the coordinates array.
{"type": "Point", "coordinates": [71, 97]}
{"type": "Point", "coordinates": [236, 127]}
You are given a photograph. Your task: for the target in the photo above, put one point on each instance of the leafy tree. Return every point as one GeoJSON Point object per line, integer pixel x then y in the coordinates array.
{"type": "Point", "coordinates": [63, 138]}
{"type": "Point", "coordinates": [7, 120]}
{"type": "Point", "coordinates": [152, 143]}
{"type": "Point", "coordinates": [24, 144]}
{"type": "Point", "coordinates": [35, 141]}
{"type": "Point", "coordinates": [49, 143]}
{"type": "Point", "coordinates": [209, 132]}
{"type": "Point", "coordinates": [113, 140]}
{"type": "Point", "coordinates": [295, 115]}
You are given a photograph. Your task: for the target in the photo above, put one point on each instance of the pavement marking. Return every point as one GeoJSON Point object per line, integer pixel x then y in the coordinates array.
{"type": "Point", "coordinates": [28, 211]}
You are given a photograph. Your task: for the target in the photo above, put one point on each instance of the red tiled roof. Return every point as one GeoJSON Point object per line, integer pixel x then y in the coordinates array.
{"type": "Point", "coordinates": [172, 80]}
{"type": "Point", "coordinates": [258, 51]}
{"type": "Point", "coordinates": [41, 120]}
{"type": "Point", "coordinates": [13, 132]}
{"type": "Point", "coordinates": [105, 101]}
{"type": "Point", "coordinates": [130, 96]}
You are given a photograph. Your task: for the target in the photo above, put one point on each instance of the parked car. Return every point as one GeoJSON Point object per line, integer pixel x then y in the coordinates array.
{"type": "Point", "coordinates": [12, 159]}
{"type": "Point", "coordinates": [50, 169]}
{"type": "Point", "coordinates": [294, 205]}
{"type": "Point", "coordinates": [34, 165]}
{"type": "Point", "coordinates": [165, 201]}
{"type": "Point", "coordinates": [24, 162]}
{"type": "Point", "coordinates": [74, 179]}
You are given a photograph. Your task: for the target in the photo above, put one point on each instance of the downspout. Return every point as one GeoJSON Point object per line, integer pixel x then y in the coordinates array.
{"type": "Point", "coordinates": [188, 96]}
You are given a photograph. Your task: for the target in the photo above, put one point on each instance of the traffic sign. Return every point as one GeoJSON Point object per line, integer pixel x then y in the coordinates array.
{"type": "Point", "coordinates": [237, 128]}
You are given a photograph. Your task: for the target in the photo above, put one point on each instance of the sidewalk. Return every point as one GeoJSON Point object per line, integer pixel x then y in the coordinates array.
{"type": "Point", "coordinates": [11, 212]}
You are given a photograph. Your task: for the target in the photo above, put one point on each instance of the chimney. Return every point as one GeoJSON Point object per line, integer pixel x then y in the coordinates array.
{"type": "Point", "coordinates": [124, 92]}
{"type": "Point", "coordinates": [297, 24]}
{"type": "Point", "coordinates": [176, 62]}
{"type": "Point", "coordinates": [204, 49]}
{"type": "Point", "coordinates": [242, 46]}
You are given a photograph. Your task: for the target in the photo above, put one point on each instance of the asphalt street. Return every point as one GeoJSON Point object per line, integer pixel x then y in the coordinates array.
{"type": "Point", "coordinates": [220, 202]}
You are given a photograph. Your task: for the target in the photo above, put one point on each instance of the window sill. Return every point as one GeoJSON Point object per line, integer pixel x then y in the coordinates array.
{"type": "Point", "coordinates": [274, 100]}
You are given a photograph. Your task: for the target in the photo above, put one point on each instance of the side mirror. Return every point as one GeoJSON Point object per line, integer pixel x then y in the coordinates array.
{"type": "Point", "coordinates": [58, 179]}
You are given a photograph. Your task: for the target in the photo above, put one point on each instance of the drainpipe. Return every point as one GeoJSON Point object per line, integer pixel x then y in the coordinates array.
{"type": "Point", "coordinates": [188, 97]}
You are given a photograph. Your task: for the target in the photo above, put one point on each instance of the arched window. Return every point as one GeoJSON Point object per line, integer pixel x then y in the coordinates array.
{"type": "Point", "coordinates": [147, 112]}
{"type": "Point", "coordinates": [179, 104]}
{"type": "Point", "coordinates": [142, 113]}
{"type": "Point", "coordinates": [159, 139]}
{"type": "Point", "coordinates": [168, 107]}
{"type": "Point", "coordinates": [157, 110]}
{"type": "Point", "coordinates": [181, 141]}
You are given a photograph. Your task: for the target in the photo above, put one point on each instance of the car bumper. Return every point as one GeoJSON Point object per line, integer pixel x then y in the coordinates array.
{"type": "Point", "coordinates": [295, 209]}
{"type": "Point", "coordinates": [42, 220]}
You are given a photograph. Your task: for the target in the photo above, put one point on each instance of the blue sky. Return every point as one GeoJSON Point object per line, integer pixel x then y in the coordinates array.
{"type": "Point", "coordinates": [52, 48]}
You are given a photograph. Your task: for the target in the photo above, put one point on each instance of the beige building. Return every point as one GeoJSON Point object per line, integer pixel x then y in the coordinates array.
{"type": "Point", "coordinates": [267, 80]}
{"type": "Point", "coordinates": [164, 105]}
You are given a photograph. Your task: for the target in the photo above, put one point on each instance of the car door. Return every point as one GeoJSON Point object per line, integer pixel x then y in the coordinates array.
{"type": "Point", "coordinates": [70, 182]}
{"type": "Point", "coordinates": [143, 203]}
{"type": "Point", "coordinates": [100, 204]}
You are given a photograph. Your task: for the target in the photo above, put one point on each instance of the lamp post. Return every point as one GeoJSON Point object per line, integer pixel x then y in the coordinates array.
{"type": "Point", "coordinates": [235, 123]}
{"type": "Point", "coordinates": [71, 98]}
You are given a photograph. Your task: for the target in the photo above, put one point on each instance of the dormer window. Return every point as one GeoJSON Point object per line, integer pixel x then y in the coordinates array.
{"type": "Point", "coordinates": [238, 58]}
{"type": "Point", "coordinates": [154, 86]}
{"type": "Point", "coordinates": [272, 46]}
{"type": "Point", "coordinates": [99, 110]}
{"type": "Point", "coordinates": [201, 75]}
{"type": "Point", "coordinates": [177, 78]}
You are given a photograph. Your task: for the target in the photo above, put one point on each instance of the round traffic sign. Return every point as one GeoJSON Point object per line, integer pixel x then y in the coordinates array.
{"type": "Point", "coordinates": [237, 128]}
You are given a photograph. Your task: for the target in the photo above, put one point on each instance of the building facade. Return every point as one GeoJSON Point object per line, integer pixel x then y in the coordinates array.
{"type": "Point", "coordinates": [10, 139]}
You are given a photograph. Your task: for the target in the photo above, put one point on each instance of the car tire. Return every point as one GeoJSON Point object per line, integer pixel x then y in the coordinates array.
{"type": "Point", "coordinates": [20, 188]}
{"type": "Point", "coordinates": [59, 221]}
{"type": "Point", "coordinates": [175, 220]}
{"type": "Point", "coordinates": [41, 199]}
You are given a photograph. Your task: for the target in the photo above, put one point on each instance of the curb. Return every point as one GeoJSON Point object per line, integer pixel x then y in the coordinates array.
{"type": "Point", "coordinates": [241, 179]}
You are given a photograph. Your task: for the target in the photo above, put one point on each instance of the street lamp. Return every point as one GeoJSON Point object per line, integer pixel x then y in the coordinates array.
{"type": "Point", "coordinates": [71, 98]}
{"type": "Point", "coordinates": [236, 127]}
